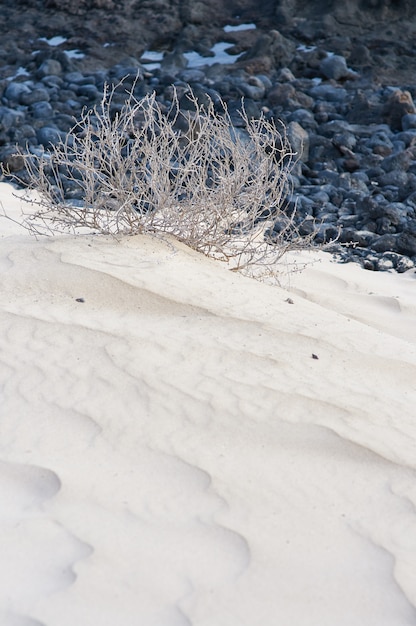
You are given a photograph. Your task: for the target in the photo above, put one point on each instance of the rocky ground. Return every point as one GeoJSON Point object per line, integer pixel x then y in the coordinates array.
{"type": "Point", "coordinates": [341, 82]}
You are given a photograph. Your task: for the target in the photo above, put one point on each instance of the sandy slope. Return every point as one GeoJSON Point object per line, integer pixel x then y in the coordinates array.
{"type": "Point", "coordinates": [172, 454]}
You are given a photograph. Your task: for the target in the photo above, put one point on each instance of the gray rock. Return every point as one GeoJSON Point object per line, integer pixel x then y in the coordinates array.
{"type": "Point", "coordinates": [15, 91]}
{"type": "Point", "coordinates": [70, 107]}
{"type": "Point", "coordinates": [328, 92]}
{"type": "Point", "coordinates": [329, 176]}
{"type": "Point", "coordinates": [328, 214]}
{"type": "Point", "coordinates": [370, 263]}
{"type": "Point", "coordinates": [406, 244]}
{"type": "Point", "coordinates": [88, 91]}
{"type": "Point", "coordinates": [407, 137]}
{"type": "Point", "coordinates": [399, 104]}
{"type": "Point", "coordinates": [385, 264]}
{"type": "Point", "coordinates": [321, 149]}
{"type": "Point", "coordinates": [192, 75]}
{"type": "Point", "coordinates": [41, 110]}
{"type": "Point", "coordinates": [23, 135]}
{"type": "Point", "coordinates": [173, 63]}
{"type": "Point", "coordinates": [251, 108]}
{"type": "Point", "coordinates": [303, 204]}
{"type": "Point", "coordinates": [74, 77]}
{"type": "Point", "coordinates": [360, 55]}
{"type": "Point", "coordinates": [381, 138]}
{"type": "Point", "coordinates": [344, 141]}
{"type": "Point", "coordinates": [394, 178]}
{"type": "Point", "coordinates": [364, 238]}
{"type": "Point", "coordinates": [386, 242]}
{"type": "Point", "coordinates": [271, 49]}
{"type": "Point", "coordinates": [265, 80]}
{"type": "Point", "coordinates": [299, 140]}
{"type": "Point", "coordinates": [281, 94]}
{"type": "Point", "coordinates": [365, 107]}
{"type": "Point", "coordinates": [305, 118]}
{"type": "Point", "coordinates": [307, 226]}
{"type": "Point", "coordinates": [49, 135]}
{"type": "Point", "coordinates": [335, 66]}
{"type": "Point", "coordinates": [404, 264]}
{"type": "Point", "coordinates": [253, 88]}
{"type": "Point", "coordinates": [52, 81]}
{"type": "Point", "coordinates": [398, 161]}
{"type": "Point", "coordinates": [396, 213]}
{"type": "Point", "coordinates": [384, 226]}
{"type": "Point", "coordinates": [320, 198]}
{"type": "Point", "coordinates": [329, 129]}
{"type": "Point", "coordinates": [10, 118]}
{"type": "Point", "coordinates": [326, 234]}
{"type": "Point", "coordinates": [38, 94]}
{"type": "Point", "coordinates": [372, 207]}
{"type": "Point", "coordinates": [409, 121]}
{"type": "Point", "coordinates": [49, 67]}
{"type": "Point", "coordinates": [285, 75]}
{"type": "Point", "coordinates": [11, 160]}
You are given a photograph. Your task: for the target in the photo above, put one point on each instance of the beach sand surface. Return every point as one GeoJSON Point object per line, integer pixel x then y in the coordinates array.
{"type": "Point", "coordinates": [184, 446]}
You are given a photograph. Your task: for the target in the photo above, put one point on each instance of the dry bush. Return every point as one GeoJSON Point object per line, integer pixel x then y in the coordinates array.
{"type": "Point", "coordinates": [191, 174]}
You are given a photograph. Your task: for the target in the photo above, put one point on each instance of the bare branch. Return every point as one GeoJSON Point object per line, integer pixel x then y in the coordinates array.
{"type": "Point", "coordinates": [191, 174]}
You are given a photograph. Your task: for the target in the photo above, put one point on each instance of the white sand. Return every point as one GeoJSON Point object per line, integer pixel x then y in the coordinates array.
{"type": "Point", "coordinates": [172, 455]}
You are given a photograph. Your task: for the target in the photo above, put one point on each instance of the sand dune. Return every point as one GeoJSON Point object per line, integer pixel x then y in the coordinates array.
{"type": "Point", "coordinates": [172, 454]}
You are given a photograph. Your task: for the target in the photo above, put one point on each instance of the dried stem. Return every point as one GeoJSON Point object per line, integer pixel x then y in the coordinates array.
{"type": "Point", "coordinates": [191, 174]}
